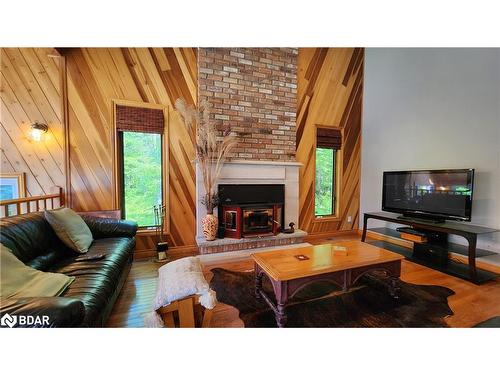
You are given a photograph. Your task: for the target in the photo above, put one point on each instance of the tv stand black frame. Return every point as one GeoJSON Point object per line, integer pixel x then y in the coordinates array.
{"type": "Point", "coordinates": [430, 220]}
{"type": "Point", "coordinates": [469, 232]}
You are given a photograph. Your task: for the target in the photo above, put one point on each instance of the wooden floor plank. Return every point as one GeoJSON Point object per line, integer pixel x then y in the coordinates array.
{"type": "Point", "coordinates": [471, 303]}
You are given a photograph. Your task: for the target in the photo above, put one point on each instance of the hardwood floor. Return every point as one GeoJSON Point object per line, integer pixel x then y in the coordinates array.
{"type": "Point", "coordinates": [471, 303]}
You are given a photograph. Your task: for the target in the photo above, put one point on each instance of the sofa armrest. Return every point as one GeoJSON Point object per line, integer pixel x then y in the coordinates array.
{"type": "Point", "coordinates": [43, 312]}
{"type": "Point", "coordinates": [102, 227]}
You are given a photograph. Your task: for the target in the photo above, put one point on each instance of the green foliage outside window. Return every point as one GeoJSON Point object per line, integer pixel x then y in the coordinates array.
{"type": "Point", "coordinates": [142, 176]}
{"type": "Point", "coordinates": [325, 176]}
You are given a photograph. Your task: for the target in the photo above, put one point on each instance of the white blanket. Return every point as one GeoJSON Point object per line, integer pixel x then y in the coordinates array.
{"type": "Point", "coordinates": [177, 280]}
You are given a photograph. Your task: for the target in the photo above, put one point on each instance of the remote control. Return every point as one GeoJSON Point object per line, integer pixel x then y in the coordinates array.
{"type": "Point", "coordinates": [83, 258]}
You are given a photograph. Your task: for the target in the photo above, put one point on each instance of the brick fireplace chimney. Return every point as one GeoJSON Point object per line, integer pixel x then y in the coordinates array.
{"type": "Point", "coordinates": [254, 93]}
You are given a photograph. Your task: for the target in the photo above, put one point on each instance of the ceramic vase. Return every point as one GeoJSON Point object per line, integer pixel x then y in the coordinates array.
{"type": "Point", "coordinates": [209, 225]}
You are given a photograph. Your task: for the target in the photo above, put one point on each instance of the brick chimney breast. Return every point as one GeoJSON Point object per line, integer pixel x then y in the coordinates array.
{"type": "Point", "coordinates": [253, 92]}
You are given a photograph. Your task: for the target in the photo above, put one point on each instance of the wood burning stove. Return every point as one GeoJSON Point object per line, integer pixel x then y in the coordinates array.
{"type": "Point", "coordinates": [257, 221]}
{"type": "Point", "coordinates": [251, 210]}
{"type": "Point", "coordinates": [251, 220]}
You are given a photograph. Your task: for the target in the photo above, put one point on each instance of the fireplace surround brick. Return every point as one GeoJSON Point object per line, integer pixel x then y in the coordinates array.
{"type": "Point", "coordinates": [253, 92]}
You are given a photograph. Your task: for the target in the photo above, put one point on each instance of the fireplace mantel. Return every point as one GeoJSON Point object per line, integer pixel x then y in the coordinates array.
{"type": "Point", "coordinates": [255, 172]}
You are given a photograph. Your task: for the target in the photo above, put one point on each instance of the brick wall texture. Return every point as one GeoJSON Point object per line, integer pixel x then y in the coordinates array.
{"type": "Point", "coordinates": [253, 92]}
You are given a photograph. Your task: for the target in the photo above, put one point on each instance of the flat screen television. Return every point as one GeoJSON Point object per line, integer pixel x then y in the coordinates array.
{"type": "Point", "coordinates": [436, 195]}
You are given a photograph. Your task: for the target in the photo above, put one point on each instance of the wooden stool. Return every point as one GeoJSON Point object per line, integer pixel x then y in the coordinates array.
{"type": "Point", "coordinates": [187, 312]}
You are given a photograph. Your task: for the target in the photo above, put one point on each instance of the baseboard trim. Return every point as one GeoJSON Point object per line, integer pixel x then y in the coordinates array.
{"type": "Point", "coordinates": [174, 252]}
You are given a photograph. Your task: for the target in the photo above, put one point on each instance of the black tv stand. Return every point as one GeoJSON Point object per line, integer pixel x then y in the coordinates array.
{"type": "Point", "coordinates": [469, 232]}
{"type": "Point", "coordinates": [422, 219]}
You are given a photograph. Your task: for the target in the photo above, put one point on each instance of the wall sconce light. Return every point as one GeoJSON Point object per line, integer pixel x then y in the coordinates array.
{"type": "Point", "coordinates": [37, 131]}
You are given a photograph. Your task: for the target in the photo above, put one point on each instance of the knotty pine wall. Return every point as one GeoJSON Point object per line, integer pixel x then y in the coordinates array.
{"type": "Point", "coordinates": [95, 76]}
{"type": "Point", "coordinates": [29, 92]}
{"type": "Point", "coordinates": [330, 87]}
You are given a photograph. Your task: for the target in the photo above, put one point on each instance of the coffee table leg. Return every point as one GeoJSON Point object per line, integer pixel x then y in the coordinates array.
{"type": "Point", "coordinates": [258, 281]}
{"type": "Point", "coordinates": [394, 287]}
{"type": "Point", "coordinates": [281, 316]}
{"type": "Point", "coordinates": [281, 292]}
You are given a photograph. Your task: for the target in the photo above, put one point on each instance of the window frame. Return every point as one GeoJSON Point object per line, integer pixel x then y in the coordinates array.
{"type": "Point", "coordinates": [116, 141]}
{"type": "Point", "coordinates": [337, 178]}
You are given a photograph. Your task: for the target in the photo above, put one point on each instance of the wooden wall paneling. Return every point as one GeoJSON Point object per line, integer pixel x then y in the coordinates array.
{"type": "Point", "coordinates": [91, 104]}
{"type": "Point", "coordinates": [63, 90]}
{"type": "Point", "coordinates": [96, 77]}
{"type": "Point", "coordinates": [129, 88]}
{"type": "Point", "coordinates": [330, 82]}
{"type": "Point", "coordinates": [28, 103]}
{"type": "Point", "coordinates": [50, 65]}
{"type": "Point", "coordinates": [43, 90]}
{"type": "Point", "coordinates": [13, 161]}
{"type": "Point", "coordinates": [37, 106]}
{"type": "Point", "coordinates": [144, 79]}
{"type": "Point", "coordinates": [152, 82]}
{"type": "Point", "coordinates": [29, 93]}
{"type": "Point", "coordinates": [89, 137]}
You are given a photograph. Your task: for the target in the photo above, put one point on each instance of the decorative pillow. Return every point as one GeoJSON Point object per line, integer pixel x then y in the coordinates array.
{"type": "Point", "coordinates": [70, 228]}
{"type": "Point", "coordinates": [19, 280]}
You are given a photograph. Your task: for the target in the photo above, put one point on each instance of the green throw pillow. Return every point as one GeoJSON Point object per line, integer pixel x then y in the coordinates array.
{"type": "Point", "coordinates": [17, 280]}
{"type": "Point", "coordinates": [70, 228]}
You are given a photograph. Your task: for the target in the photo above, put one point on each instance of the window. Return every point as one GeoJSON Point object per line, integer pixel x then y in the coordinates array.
{"type": "Point", "coordinates": [325, 182]}
{"type": "Point", "coordinates": [328, 141]}
{"type": "Point", "coordinates": [140, 167]}
{"type": "Point", "coordinates": [142, 176]}
{"type": "Point", "coordinates": [12, 185]}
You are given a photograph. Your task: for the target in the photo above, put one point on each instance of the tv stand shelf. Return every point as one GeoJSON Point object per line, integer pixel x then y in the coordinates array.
{"type": "Point", "coordinates": [469, 232]}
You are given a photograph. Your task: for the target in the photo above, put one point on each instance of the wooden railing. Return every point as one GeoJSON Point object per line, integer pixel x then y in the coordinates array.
{"type": "Point", "coordinates": [20, 206]}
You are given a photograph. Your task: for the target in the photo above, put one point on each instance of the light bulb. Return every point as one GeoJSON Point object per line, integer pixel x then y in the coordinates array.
{"type": "Point", "coordinates": [36, 135]}
{"type": "Point", "coordinates": [37, 131]}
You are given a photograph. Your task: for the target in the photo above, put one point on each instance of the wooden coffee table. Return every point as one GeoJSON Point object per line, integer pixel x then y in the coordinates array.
{"type": "Point", "coordinates": [288, 274]}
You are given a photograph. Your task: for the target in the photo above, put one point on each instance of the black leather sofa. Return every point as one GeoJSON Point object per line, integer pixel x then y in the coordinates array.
{"type": "Point", "coordinates": [88, 301]}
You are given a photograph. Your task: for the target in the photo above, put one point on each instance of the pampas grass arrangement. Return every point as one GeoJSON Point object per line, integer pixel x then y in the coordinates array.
{"type": "Point", "coordinates": [211, 150]}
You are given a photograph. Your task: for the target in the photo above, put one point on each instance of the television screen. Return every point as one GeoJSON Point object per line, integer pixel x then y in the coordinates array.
{"type": "Point", "coordinates": [440, 193]}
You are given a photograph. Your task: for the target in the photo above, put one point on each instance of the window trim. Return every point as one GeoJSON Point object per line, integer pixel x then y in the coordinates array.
{"type": "Point", "coordinates": [117, 162]}
{"type": "Point", "coordinates": [337, 179]}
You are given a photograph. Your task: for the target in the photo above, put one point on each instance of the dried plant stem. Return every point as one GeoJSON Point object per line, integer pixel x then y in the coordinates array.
{"type": "Point", "coordinates": [211, 153]}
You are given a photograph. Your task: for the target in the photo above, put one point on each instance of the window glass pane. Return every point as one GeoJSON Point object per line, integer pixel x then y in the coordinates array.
{"type": "Point", "coordinates": [142, 176]}
{"type": "Point", "coordinates": [325, 164]}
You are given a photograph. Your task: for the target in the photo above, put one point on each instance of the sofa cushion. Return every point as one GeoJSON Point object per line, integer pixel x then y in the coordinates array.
{"type": "Point", "coordinates": [45, 261]}
{"type": "Point", "coordinates": [30, 236]}
{"type": "Point", "coordinates": [70, 228]}
{"type": "Point", "coordinates": [61, 311]}
{"type": "Point", "coordinates": [102, 227]}
{"type": "Point", "coordinates": [97, 280]}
